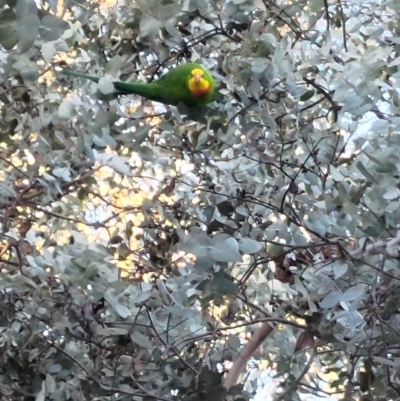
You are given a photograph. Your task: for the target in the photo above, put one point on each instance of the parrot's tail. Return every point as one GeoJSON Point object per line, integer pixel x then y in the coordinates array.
{"type": "Point", "coordinates": [147, 90]}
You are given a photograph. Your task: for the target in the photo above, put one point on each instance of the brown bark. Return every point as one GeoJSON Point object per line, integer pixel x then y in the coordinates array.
{"type": "Point", "coordinates": [245, 353]}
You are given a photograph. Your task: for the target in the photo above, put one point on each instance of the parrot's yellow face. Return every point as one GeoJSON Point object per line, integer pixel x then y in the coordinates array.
{"type": "Point", "coordinates": [197, 84]}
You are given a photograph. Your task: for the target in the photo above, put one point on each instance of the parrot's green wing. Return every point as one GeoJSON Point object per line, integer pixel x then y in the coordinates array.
{"type": "Point", "coordinates": [172, 88]}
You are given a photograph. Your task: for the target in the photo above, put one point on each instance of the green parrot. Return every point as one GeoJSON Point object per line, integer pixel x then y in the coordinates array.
{"type": "Point", "coordinates": [189, 84]}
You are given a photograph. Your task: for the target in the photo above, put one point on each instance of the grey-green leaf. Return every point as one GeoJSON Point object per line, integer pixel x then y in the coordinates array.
{"type": "Point", "coordinates": [52, 28]}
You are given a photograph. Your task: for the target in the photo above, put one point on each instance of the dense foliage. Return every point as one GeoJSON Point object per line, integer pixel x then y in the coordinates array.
{"type": "Point", "coordinates": [141, 249]}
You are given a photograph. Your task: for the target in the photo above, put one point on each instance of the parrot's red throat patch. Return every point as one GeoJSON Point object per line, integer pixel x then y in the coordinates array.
{"type": "Point", "coordinates": [198, 85]}
{"type": "Point", "coordinates": [200, 92]}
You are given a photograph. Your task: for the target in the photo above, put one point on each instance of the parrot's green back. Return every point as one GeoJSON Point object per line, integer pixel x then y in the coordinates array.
{"type": "Point", "coordinates": [172, 88]}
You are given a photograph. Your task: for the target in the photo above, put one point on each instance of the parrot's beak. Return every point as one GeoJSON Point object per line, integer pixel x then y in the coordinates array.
{"type": "Point", "coordinates": [197, 78]}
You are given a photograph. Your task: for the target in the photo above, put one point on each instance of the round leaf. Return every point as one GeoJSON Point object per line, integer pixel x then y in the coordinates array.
{"type": "Point", "coordinates": [250, 246]}
{"type": "Point", "coordinates": [225, 250]}
{"type": "Point", "coordinates": [52, 28]}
